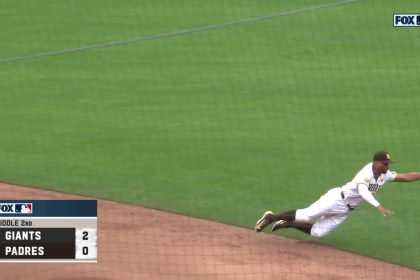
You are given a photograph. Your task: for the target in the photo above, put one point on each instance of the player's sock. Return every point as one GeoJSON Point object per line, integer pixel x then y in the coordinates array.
{"type": "Point", "coordinates": [304, 227]}
{"type": "Point", "coordinates": [286, 216]}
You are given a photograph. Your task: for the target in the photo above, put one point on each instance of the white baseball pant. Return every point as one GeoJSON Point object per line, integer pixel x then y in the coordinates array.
{"type": "Point", "coordinates": [327, 213]}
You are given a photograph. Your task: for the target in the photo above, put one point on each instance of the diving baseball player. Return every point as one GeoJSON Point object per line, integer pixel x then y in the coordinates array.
{"type": "Point", "coordinates": [331, 209]}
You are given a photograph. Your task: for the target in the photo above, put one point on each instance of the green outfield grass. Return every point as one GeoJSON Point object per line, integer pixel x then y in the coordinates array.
{"type": "Point", "coordinates": [222, 123]}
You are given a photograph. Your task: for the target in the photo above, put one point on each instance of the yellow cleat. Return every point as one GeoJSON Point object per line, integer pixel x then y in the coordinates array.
{"type": "Point", "coordinates": [280, 224]}
{"type": "Point", "coordinates": [264, 221]}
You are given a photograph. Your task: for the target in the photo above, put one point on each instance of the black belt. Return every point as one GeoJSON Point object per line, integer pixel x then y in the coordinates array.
{"type": "Point", "coordinates": [348, 205]}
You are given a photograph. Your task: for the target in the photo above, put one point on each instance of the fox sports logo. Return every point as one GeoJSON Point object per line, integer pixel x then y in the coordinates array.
{"type": "Point", "coordinates": [406, 20]}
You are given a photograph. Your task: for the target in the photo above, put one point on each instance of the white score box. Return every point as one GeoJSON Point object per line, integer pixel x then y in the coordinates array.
{"type": "Point", "coordinates": [86, 244]}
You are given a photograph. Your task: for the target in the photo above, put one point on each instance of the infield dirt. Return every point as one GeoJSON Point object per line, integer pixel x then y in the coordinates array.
{"type": "Point", "coordinates": [138, 243]}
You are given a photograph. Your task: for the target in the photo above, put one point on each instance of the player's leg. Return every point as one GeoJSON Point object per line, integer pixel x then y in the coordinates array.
{"type": "Point", "coordinates": [286, 219]}
{"type": "Point", "coordinates": [321, 228]}
{"type": "Point", "coordinates": [269, 217]}
{"type": "Point", "coordinates": [329, 204]}
{"type": "Point", "coordinates": [325, 225]}
{"type": "Point", "coordinates": [304, 227]}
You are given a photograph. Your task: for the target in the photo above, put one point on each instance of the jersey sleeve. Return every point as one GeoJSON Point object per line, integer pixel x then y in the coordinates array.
{"type": "Point", "coordinates": [365, 193]}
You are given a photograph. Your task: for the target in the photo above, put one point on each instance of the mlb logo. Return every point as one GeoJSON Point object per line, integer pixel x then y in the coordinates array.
{"type": "Point", "coordinates": [24, 208]}
{"type": "Point", "coordinates": [406, 20]}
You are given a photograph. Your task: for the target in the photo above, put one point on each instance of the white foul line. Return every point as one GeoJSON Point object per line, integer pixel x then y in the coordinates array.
{"type": "Point", "coordinates": [171, 34]}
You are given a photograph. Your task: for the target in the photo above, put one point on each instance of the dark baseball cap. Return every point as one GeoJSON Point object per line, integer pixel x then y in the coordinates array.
{"type": "Point", "coordinates": [382, 156]}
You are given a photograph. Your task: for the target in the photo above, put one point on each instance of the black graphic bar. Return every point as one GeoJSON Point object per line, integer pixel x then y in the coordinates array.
{"type": "Point", "coordinates": [37, 235]}
{"type": "Point", "coordinates": [37, 251]}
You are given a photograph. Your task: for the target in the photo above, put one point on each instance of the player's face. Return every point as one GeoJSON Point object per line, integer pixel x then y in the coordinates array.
{"type": "Point", "coordinates": [384, 167]}
{"type": "Point", "coordinates": [381, 167]}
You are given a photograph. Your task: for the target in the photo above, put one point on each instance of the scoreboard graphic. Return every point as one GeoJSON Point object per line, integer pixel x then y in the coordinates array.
{"type": "Point", "coordinates": [48, 231]}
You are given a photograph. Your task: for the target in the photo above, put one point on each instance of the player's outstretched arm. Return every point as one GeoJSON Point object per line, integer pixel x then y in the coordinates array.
{"type": "Point", "coordinates": [364, 192]}
{"type": "Point", "coordinates": [407, 177]}
{"type": "Point", "coordinates": [385, 212]}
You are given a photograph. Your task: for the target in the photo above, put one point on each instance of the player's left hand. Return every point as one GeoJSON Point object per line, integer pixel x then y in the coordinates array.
{"type": "Point", "coordinates": [385, 212]}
